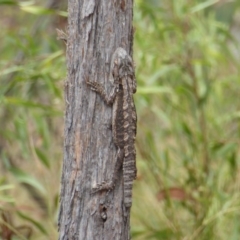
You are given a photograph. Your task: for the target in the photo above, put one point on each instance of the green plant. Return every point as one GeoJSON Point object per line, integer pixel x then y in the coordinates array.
{"type": "Point", "coordinates": [188, 113]}
{"type": "Point", "coordinates": [32, 71]}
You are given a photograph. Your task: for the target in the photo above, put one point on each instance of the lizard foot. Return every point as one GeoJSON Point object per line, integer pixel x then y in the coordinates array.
{"type": "Point", "coordinates": [94, 85]}
{"type": "Point", "coordinates": [103, 186]}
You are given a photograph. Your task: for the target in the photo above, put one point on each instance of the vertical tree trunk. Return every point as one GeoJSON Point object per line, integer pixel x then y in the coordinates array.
{"type": "Point", "coordinates": [95, 29]}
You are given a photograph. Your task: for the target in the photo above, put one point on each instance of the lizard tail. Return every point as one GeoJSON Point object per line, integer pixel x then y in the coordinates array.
{"type": "Point", "coordinates": [129, 174]}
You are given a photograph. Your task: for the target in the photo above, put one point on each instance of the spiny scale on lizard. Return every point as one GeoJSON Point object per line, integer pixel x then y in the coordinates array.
{"type": "Point", "coordinates": [124, 119]}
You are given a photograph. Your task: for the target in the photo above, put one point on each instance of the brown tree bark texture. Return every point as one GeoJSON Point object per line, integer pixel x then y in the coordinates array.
{"type": "Point", "coordinates": [95, 29]}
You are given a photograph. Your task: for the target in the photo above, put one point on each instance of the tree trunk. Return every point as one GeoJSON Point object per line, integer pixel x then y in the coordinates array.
{"type": "Point", "coordinates": [95, 29]}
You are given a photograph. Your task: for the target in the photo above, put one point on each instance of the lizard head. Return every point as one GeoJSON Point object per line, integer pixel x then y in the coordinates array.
{"type": "Point", "coordinates": [122, 67]}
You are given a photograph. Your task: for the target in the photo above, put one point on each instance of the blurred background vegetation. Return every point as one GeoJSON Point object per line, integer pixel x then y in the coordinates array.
{"type": "Point", "coordinates": [187, 65]}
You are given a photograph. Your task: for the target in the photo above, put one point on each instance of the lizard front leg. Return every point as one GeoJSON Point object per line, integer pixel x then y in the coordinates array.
{"type": "Point", "coordinates": [97, 87]}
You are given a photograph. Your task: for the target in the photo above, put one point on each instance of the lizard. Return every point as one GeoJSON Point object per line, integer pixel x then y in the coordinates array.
{"type": "Point", "coordinates": [124, 120]}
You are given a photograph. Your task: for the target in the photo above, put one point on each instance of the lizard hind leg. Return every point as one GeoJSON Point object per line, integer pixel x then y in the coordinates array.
{"type": "Point", "coordinates": [109, 185]}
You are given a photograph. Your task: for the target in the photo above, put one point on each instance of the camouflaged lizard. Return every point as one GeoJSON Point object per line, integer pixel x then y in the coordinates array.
{"type": "Point", "coordinates": [124, 120]}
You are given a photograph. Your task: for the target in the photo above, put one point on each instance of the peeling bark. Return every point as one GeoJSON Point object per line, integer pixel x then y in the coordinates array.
{"type": "Point", "coordinates": [95, 29]}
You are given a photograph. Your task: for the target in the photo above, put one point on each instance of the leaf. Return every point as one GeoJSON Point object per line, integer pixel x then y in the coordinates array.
{"type": "Point", "coordinates": [154, 90]}
{"type": "Point", "coordinates": [7, 199]}
{"type": "Point", "coordinates": [26, 178]}
{"type": "Point", "coordinates": [51, 57]}
{"type": "Point", "coordinates": [166, 234]}
{"type": "Point", "coordinates": [162, 72]}
{"type": "Point", "coordinates": [186, 129]}
{"type": "Point", "coordinates": [226, 149]}
{"type": "Point", "coordinates": [37, 224]}
{"type": "Point", "coordinates": [36, 10]}
{"type": "Point", "coordinates": [62, 13]}
{"type": "Point", "coordinates": [29, 104]}
{"type": "Point", "coordinates": [6, 187]}
{"type": "Point", "coordinates": [8, 2]}
{"type": "Point", "coordinates": [137, 233]}
{"type": "Point", "coordinates": [43, 158]}
{"type": "Point", "coordinates": [203, 5]}
{"type": "Point", "coordinates": [11, 70]}
{"type": "Point", "coordinates": [233, 161]}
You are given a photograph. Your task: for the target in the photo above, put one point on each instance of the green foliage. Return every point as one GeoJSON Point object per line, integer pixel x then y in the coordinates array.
{"type": "Point", "coordinates": [32, 71]}
{"type": "Point", "coordinates": [188, 129]}
{"type": "Point", "coordinates": [187, 66]}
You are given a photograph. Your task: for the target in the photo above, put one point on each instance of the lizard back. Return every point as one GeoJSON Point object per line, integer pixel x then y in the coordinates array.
{"type": "Point", "coordinates": [124, 121]}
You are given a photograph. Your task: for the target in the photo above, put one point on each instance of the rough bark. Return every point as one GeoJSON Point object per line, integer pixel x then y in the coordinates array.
{"type": "Point", "coordinates": [95, 29]}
